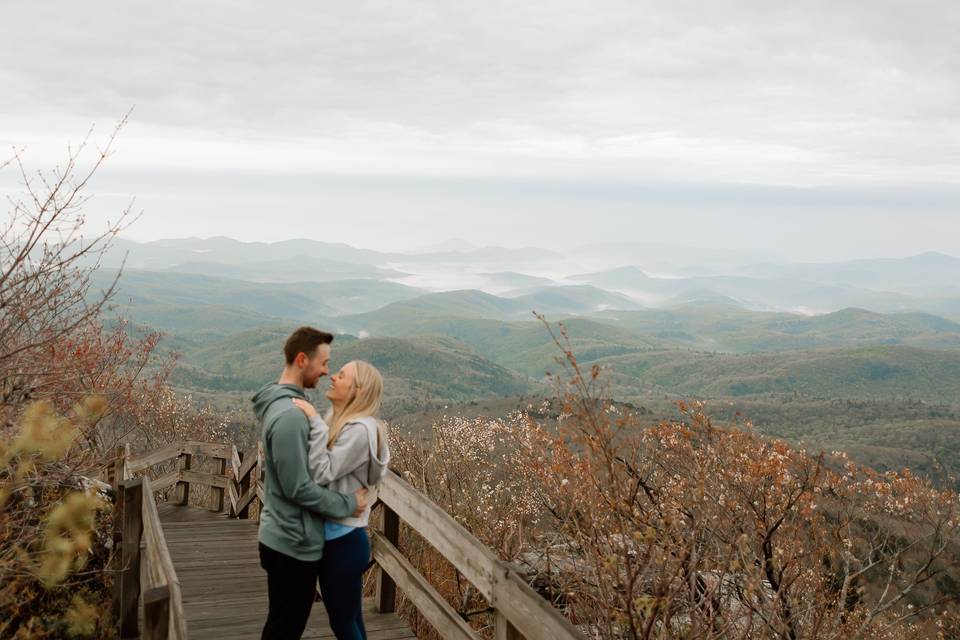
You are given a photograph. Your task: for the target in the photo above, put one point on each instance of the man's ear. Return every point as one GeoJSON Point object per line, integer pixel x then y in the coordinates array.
{"type": "Point", "coordinates": [300, 360]}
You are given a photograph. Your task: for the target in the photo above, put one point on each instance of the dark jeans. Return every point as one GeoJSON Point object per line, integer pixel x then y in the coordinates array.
{"type": "Point", "coordinates": [291, 585]}
{"type": "Point", "coordinates": [341, 583]}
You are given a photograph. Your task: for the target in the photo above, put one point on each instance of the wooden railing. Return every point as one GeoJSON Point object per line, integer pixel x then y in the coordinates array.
{"type": "Point", "coordinates": [519, 611]}
{"type": "Point", "coordinates": [235, 483]}
{"type": "Point", "coordinates": [147, 570]}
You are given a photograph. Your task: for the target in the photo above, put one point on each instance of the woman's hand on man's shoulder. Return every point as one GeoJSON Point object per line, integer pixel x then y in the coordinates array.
{"type": "Point", "coordinates": [306, 407]}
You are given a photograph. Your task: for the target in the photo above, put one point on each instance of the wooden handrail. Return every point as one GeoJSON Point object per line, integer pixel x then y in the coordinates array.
{"type": "Point", "coordinates": [140, 534]}
{"type": "Point", "coordinates": [235, 483]}
{"type": "Point", "coordinates": [147, 570]}
{"type": "Point", "coordinates": [519, 611]}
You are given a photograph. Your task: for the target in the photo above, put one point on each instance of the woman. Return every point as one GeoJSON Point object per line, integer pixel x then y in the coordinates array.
{"type": "Point", "coordinates": [348, 450]}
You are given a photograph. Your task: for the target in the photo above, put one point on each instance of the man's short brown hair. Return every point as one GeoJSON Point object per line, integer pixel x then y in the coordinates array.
{"type": "Point", "coordinates": [305, 340]}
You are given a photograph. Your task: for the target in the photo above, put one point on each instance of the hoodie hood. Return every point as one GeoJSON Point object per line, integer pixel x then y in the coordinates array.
{"type": "Point", "coordinates": [270, 393]}
{"type": "Point", "coordinates": [379, 451]}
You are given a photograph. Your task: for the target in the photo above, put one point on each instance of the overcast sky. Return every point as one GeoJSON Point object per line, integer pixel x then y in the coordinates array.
{"type": "Point", "coordinates": [814, 130]}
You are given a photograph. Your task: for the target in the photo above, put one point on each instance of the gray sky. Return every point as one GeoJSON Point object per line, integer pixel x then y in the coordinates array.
{"type": "Point", "coordinates": [815, 130]}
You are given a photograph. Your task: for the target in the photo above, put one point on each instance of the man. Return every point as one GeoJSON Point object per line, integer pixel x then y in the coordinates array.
{"type": "Point", "coordinates": [291, 519]}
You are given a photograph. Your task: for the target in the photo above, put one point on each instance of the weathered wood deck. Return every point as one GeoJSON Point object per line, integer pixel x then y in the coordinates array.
{"type": "Point", "coordinates": [225, 590]}
{"type": "Point", "coordinates": [194, 572]}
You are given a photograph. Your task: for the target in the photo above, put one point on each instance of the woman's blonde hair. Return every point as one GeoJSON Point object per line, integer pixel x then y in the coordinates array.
{"type": "Point", "coordinates": [363, 402]}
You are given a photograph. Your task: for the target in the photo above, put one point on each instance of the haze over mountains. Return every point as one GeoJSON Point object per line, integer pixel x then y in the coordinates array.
{"type": "Point", "coordinates": [861, 355]}
{"type": "Point", "coordinates": [484, 298]}
{"type": "Point", "coordinates": [616, 276]}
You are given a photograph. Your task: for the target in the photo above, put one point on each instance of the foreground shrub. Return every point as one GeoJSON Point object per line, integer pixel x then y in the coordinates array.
{"type": "Point", "coordinates": [71, 390]}
{"type": "Point", "coordinates": [54, 532]}
{"type": "Point", "coordinates": [684, 529]}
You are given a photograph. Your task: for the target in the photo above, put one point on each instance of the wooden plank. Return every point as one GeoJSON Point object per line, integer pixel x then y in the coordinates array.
{"type": "Point", "coordinates": [209, 449]}
{"type": "Point", "coordinates": [159, 567]}
{"type": "Point", "coordinates": [174, 514]}
{"type": "Point", "coordinates": [252, 613]}
{"type": "Point", "coordinates": [130, 575]}
{"type": "Point", "coordinates": [313, 632]}
{"type": "Point", "coordinates": [421, 593]}
{"type": "Point", "coordinates": [116, 561]}
{"type": "Point", "coordinates": [446, 535]}
{"type": "Point", "coordinates": [224, 590]}
{"type": "Point", "coordinates": [233, 489]}
{"type": "Point", "coordinates": [186, 461]}
{"type": "Point", "coordinates": [219, 491]}
{"type": "Point", "coordinates": [533, 617]}
{"type": "Point", "coordinates": [503, 629]}
{"type": "Point", "coordinates": [242, 493]}
{"type": "Point", "coordinates": [178, 618]}
{"type": "Point", "coordinates": [156, 613]}
{"type": "Point", "coordinates": [209, 479]}
{"type": "Point", "coordinates": [165, 481]}
{"type": "Point", "coordinates": [243, 502]}
{"type": "Point", "coordinates": [247, 465]}
{"type": "Point", "coordinates": [386, 587]}
{"type": "Point", "coordinates": [143, 461]}
{"type": "Point", "coordinates": [126, 458]}
{"type": "Point", "coordinates": [235, 462]}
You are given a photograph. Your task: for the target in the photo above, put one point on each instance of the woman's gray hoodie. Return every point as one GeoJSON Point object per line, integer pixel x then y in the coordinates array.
{"type": "Point", "coordinates": [358, 459]}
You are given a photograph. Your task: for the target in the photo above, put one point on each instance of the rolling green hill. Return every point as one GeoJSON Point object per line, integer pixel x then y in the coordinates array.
{"type": "Point", "coordinates": [182, 302]}
{"type": "Point", "coordinates": [148, 289]}
{"type": "Point", "coordinates": [292, 269]}
{"type": "Point", "coordinates": [727, 328]}
{"type": "Point", "coordinates": [889, 371]}
{"type": "Point", "coordinates": [467, 303]}
{"type": "Point", "coordinates": [525, 347]}
{"type": "Point", "coordinates": [421, 368]}
{"type": "Point", "coordinates": [574, 300]}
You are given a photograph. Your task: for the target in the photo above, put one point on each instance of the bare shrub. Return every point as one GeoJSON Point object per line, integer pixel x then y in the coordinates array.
{"type": "Point", "coordinates": [70, 390]}
{"type": "Point", "coordinates": [45, 268]}
{"type": "Point", "coordinates": [684, 529]}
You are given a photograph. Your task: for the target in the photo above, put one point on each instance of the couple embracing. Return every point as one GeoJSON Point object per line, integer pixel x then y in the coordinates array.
{"type": "Point", "coordinates": [317, 473]}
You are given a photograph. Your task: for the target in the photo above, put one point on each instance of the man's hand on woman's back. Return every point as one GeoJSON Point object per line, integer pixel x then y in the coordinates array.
{"type": "Point", "coordinates": [361, 495]}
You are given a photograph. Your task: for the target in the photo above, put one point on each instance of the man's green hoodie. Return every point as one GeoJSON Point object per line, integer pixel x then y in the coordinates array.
{"type": "Point", "coordinates": [291, 519]}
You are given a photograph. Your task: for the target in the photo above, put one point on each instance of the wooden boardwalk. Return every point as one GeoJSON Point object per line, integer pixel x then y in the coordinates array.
{"type": "Point", "coordinates": [225, 590]}
{"type": "Point", "coordinates": [188, 572]}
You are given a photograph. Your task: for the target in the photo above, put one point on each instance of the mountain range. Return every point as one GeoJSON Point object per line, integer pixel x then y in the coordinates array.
{"type": "Point", "coordinates": [555, 282]}
{"type": "Point", "coordinates": [863, 355]}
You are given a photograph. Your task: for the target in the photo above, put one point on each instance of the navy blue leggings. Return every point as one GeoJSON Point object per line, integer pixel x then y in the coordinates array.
{"type": "Point", "coordinates": [341, 583]}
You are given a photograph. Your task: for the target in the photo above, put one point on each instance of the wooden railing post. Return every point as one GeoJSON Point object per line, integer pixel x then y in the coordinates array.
{"type": "Point", "coordinates": [386, 587]}
{"type": "Point", "coordinates": [503, 629]}
{"type": "Point", "coordinates": [184, 485]}
{"type": "Point", "coordinates": [244, 487]}
{"type": "Point", "coordinates": [156, 613]}
{"type": "Point", "coordinates": [115, 473]}
{"type": "Point", "coordinates": [219, 492]}
{"type": "Point", "coordinates": [129, 577]}
{"type": "Point", "coordinates": [256, 477]}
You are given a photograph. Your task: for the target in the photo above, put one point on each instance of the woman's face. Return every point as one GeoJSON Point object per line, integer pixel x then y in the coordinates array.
{"type": "Point", "coordinates": [341, 384]}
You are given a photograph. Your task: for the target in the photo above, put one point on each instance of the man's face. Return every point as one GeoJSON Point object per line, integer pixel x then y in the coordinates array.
{"type": "Point", "coordinates": [316, 367]}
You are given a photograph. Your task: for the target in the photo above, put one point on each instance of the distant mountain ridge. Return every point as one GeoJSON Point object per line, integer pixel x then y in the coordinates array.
{"type": "Point", "coordinates": [927, 282]}
{"type": "Point", "coordinates": [930, 272]}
